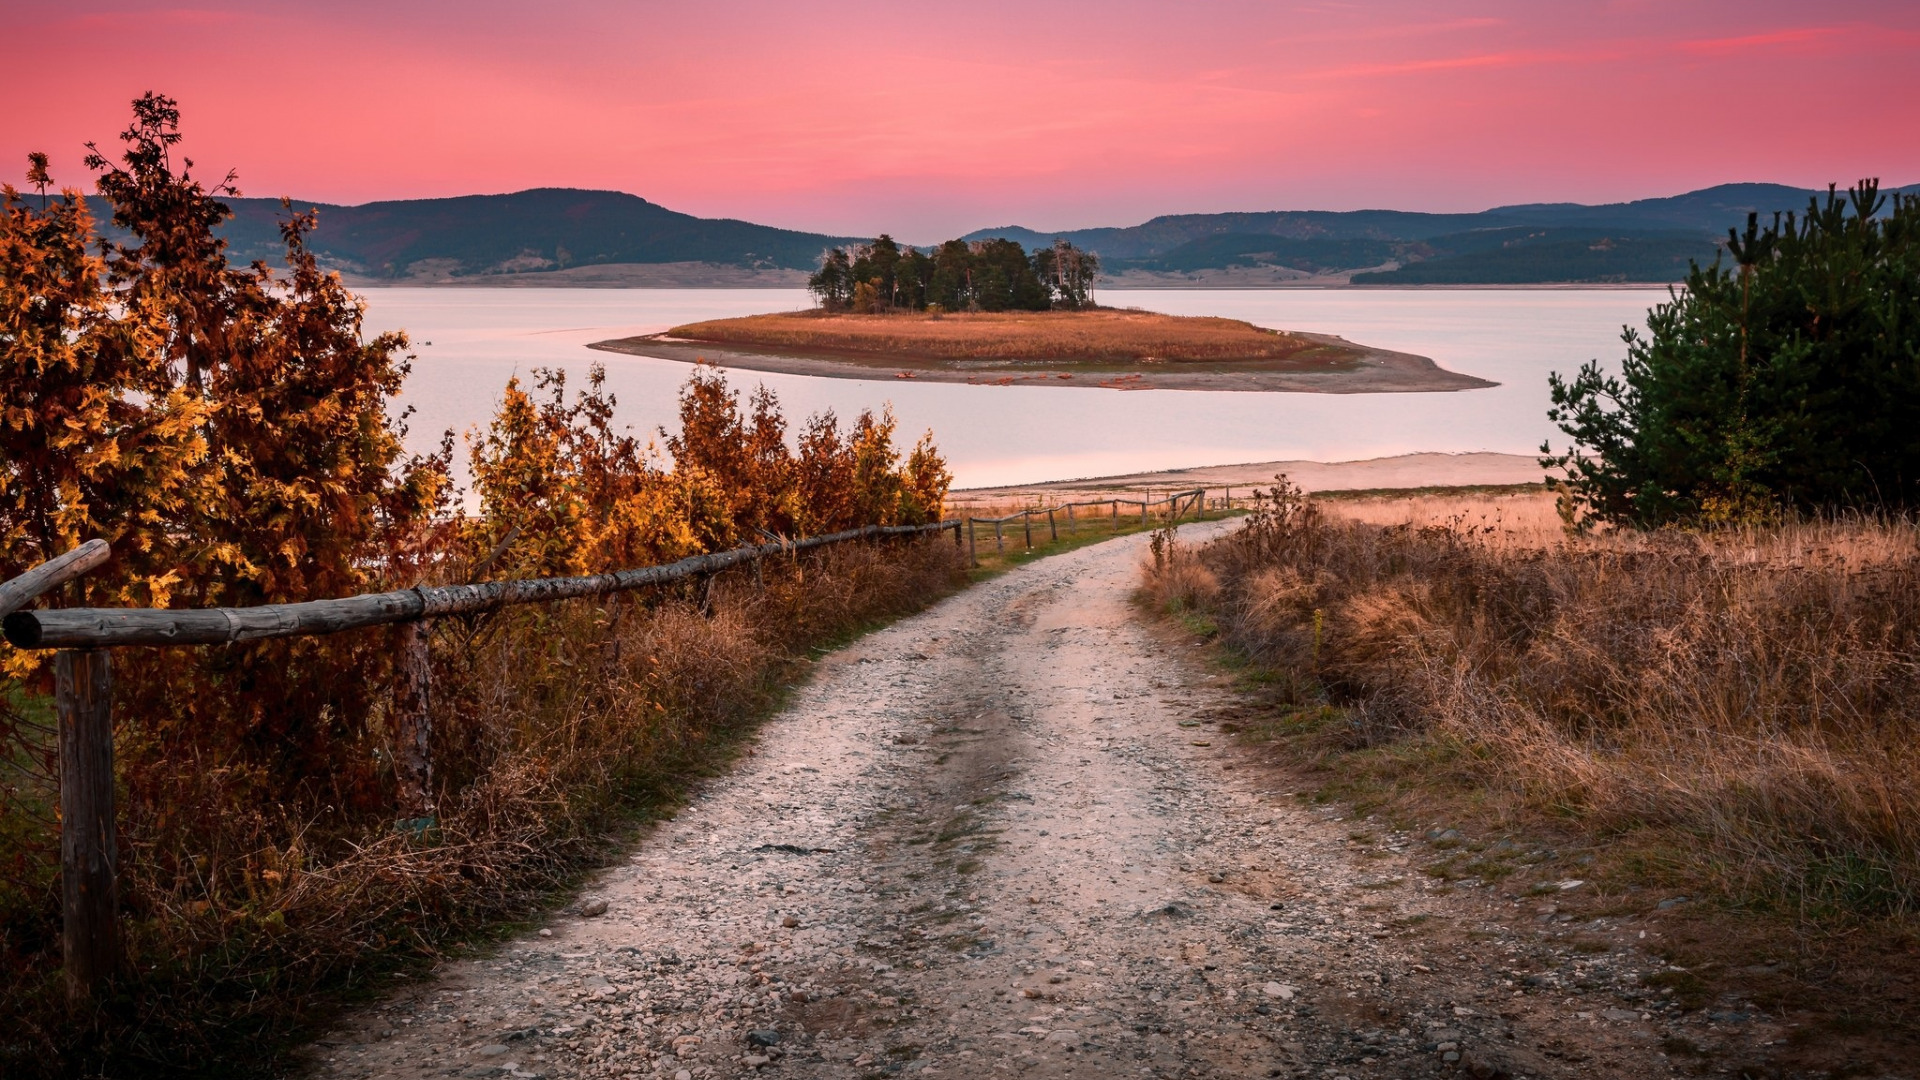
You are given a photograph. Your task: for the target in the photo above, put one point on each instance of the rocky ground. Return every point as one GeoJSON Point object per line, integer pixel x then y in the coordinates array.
{"type": "Point", "coordinates": [1004, 838]}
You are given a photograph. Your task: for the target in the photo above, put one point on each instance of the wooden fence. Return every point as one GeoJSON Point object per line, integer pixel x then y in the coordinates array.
{"type": "Point", "coordinates": [83, 687]}
{"type": "Point", "coordinates": [1178, 505]}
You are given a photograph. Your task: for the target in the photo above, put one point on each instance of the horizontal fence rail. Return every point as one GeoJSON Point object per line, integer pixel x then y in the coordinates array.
{"type": "Point", "coordinates": [89, 874]}
{"type": "Point", "coordinates": [51, 574]}
{"type": "Point", "coordinates": [69, 628]}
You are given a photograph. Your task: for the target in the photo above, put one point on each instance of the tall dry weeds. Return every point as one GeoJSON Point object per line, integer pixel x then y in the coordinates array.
{"type": "Point", "coordinates": [1755, 693]}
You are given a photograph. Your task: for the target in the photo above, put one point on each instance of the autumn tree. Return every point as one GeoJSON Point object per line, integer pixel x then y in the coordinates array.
{"type": "Point", "coordinates": [97, 438]}
{"type": "Point", "coordinates": [577, 496]}
{"type": "Point", "coordinates": [226, 428]}
{"type": "Point", "coordinates": [1068, 273]}
{"type": "Point", "coordinates": [832, 284]}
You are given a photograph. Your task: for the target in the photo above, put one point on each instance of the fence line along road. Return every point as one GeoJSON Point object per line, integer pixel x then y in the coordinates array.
{"type": "Point", "coordinates": [1178, 505]}
{"type": "Point", "coordinates": [86, 628]}
{"type": "Point", "coordinates": [89, 873]}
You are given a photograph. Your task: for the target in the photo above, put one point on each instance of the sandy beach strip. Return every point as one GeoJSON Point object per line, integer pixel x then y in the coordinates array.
{"type": "Point", "coordinates": [1378, 371]}
{"type": "Point", "coordinates": [1401, 472]}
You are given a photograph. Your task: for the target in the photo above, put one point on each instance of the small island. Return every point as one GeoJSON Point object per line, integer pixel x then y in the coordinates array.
{"type": "Point", "coordinates": [988, 312]}
{"type": "Point", "coordinates": [1116, 349]}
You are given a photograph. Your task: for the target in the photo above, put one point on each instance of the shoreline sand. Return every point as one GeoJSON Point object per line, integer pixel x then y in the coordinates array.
{"type": "Point", "coordinates": [1399, 472]}
{"type": "Point", "coordinates": [1378, 371]}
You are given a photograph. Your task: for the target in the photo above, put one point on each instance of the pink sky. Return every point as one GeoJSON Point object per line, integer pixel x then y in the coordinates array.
{"type": "Point", "coordinates": [931, 119]}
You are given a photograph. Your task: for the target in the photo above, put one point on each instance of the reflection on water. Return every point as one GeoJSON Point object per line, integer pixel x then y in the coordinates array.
{"type": "Point", "coordinates": [1016, 434]}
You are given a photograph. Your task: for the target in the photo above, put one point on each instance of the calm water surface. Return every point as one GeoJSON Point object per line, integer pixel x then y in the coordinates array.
{"type": "Point", "coordinates": [1011, 434]}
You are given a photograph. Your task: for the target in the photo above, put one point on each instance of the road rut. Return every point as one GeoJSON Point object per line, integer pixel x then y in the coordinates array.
{"type": "Point", "coordinates": [1000, 838]}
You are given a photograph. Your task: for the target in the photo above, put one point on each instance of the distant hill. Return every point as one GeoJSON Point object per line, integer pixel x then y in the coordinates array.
{"type": "Point", "coordinates": [564, 236]}
{"type": "Point", "coordinates": [545, 229]}
{"type": "Point", "coordinates": [1529, 255]}
{"type": "Point", "coordinates": [1648, 240]}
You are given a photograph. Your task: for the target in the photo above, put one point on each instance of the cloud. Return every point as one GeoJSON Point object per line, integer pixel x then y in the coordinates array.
{"type": "Point", "coordinates": [1524, 58]}
{"type": "Point", "coordinates": [1808, 35]}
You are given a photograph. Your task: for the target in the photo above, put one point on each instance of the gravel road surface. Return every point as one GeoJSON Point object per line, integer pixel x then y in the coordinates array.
{"type": "Point", "coordinates": [1003, 838]}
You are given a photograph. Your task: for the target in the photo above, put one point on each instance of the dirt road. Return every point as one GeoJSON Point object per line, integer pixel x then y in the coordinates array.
{"type": "Point", "coordinates": [1002, 839]}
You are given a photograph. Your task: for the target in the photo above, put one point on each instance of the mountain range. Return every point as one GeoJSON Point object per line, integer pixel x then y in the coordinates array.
{"type": "Point", "coordinates": [565, 236]}
{"type": "Point", "coordinates": [526, 233]}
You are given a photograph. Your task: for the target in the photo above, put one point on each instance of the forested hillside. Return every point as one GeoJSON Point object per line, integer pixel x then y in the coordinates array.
{"type": "Point", "coordinates": [526, 232]}
{"type": "Point", "coordinates": [551, 229]}
{"type": "Point", "coordinates": [1645, 240]}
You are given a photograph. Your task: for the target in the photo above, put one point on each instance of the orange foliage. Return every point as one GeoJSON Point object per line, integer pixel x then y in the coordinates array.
{"type": "Point", "coordinates": [586, 498]}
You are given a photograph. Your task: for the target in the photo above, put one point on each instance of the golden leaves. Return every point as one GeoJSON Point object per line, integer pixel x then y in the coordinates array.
{"type": "Point", "coordinates": [586, 497]}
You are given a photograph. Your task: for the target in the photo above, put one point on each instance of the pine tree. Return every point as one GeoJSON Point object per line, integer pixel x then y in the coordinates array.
{"type": "Point", "coordinates": [1787, 382]}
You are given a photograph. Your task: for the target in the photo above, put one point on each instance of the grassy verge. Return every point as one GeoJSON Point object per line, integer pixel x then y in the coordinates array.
{"type": "Point", "coordinates": [1086, 533]}
{"type": "Point", "coordinates": [560, 732]}
{"type": "Point", "coordinates": [1715, 733]}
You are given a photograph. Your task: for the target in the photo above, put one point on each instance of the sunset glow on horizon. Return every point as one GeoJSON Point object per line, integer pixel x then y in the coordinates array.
{"type": "Point", "coordinates": [928, 121]}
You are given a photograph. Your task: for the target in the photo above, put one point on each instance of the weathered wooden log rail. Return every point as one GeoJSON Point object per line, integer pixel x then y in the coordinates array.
{"type": "Point", "coordinates": [83, 689]}
{"type": "Point", "coordinates": [1179, 504]}
{"type": "Point", "coordinates": [94, 628]}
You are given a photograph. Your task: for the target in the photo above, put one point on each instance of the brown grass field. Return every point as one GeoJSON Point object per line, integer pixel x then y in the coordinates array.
{"type": "Point", "coordinates": [1731, 716]}
{"type": "Point", "coordinates": [1099, 337]}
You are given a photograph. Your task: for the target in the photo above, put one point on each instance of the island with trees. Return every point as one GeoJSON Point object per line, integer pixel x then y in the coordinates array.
{"type": "Point", "coordinates": [990, 311]}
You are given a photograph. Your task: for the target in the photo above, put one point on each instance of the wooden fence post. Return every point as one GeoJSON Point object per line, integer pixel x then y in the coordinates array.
{"type": "Point", "coordinates": [89, 885]}
{"type": "Point", "coordinates": [1053, 527]}
{"type": "Point", "coordinates": [1072, 526]}
{"type": "Point", "coordinates": [973, 555]}
{"type": "Point", "coordinates": [1143, 513]}
{"type": "Point", "coordinates": [413, 731]}
{"type": "Point", "coordinates": [999, 543]}
{"type": "Point", "coordinates": [1026, 523]}
{"type": "Point", "coordinates": [1116, 515]}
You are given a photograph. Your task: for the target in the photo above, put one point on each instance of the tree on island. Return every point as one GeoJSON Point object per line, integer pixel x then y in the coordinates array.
{"type": "Point", "coordinates": [1070, 273]}
{"type": "Point", "coordinates": [981, 275]}
{"type": "Point", "coordinates": [1789, 382]}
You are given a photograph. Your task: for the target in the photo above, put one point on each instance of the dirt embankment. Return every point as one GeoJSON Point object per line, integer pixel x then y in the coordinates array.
{"type": "Point", "coordinates": [1012, 837]}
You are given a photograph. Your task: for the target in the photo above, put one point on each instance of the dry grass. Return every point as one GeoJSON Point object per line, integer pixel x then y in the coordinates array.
{"type": "Point", "coordinates": [1746, 701]}
{"type": "Point", "coordinates": [1098, 337]}
{"type": "Point", "coordinates": [558, 730]}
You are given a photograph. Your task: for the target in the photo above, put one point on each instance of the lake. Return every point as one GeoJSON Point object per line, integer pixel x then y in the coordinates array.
{"type": "Point", "coordinates": [1012, 434]}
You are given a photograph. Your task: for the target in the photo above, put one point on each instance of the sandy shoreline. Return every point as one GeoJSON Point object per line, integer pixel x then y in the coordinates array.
{"type": "Point", "coordinates": [1379, 371]}
{"type": "Point", "coordinates": [1398, 472]}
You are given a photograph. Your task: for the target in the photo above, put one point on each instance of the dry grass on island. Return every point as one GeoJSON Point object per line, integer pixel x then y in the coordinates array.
{"type": "Point", "coordinates": [1099, 337]}
{"type": "Point", "coordinates": [1119, 349]}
